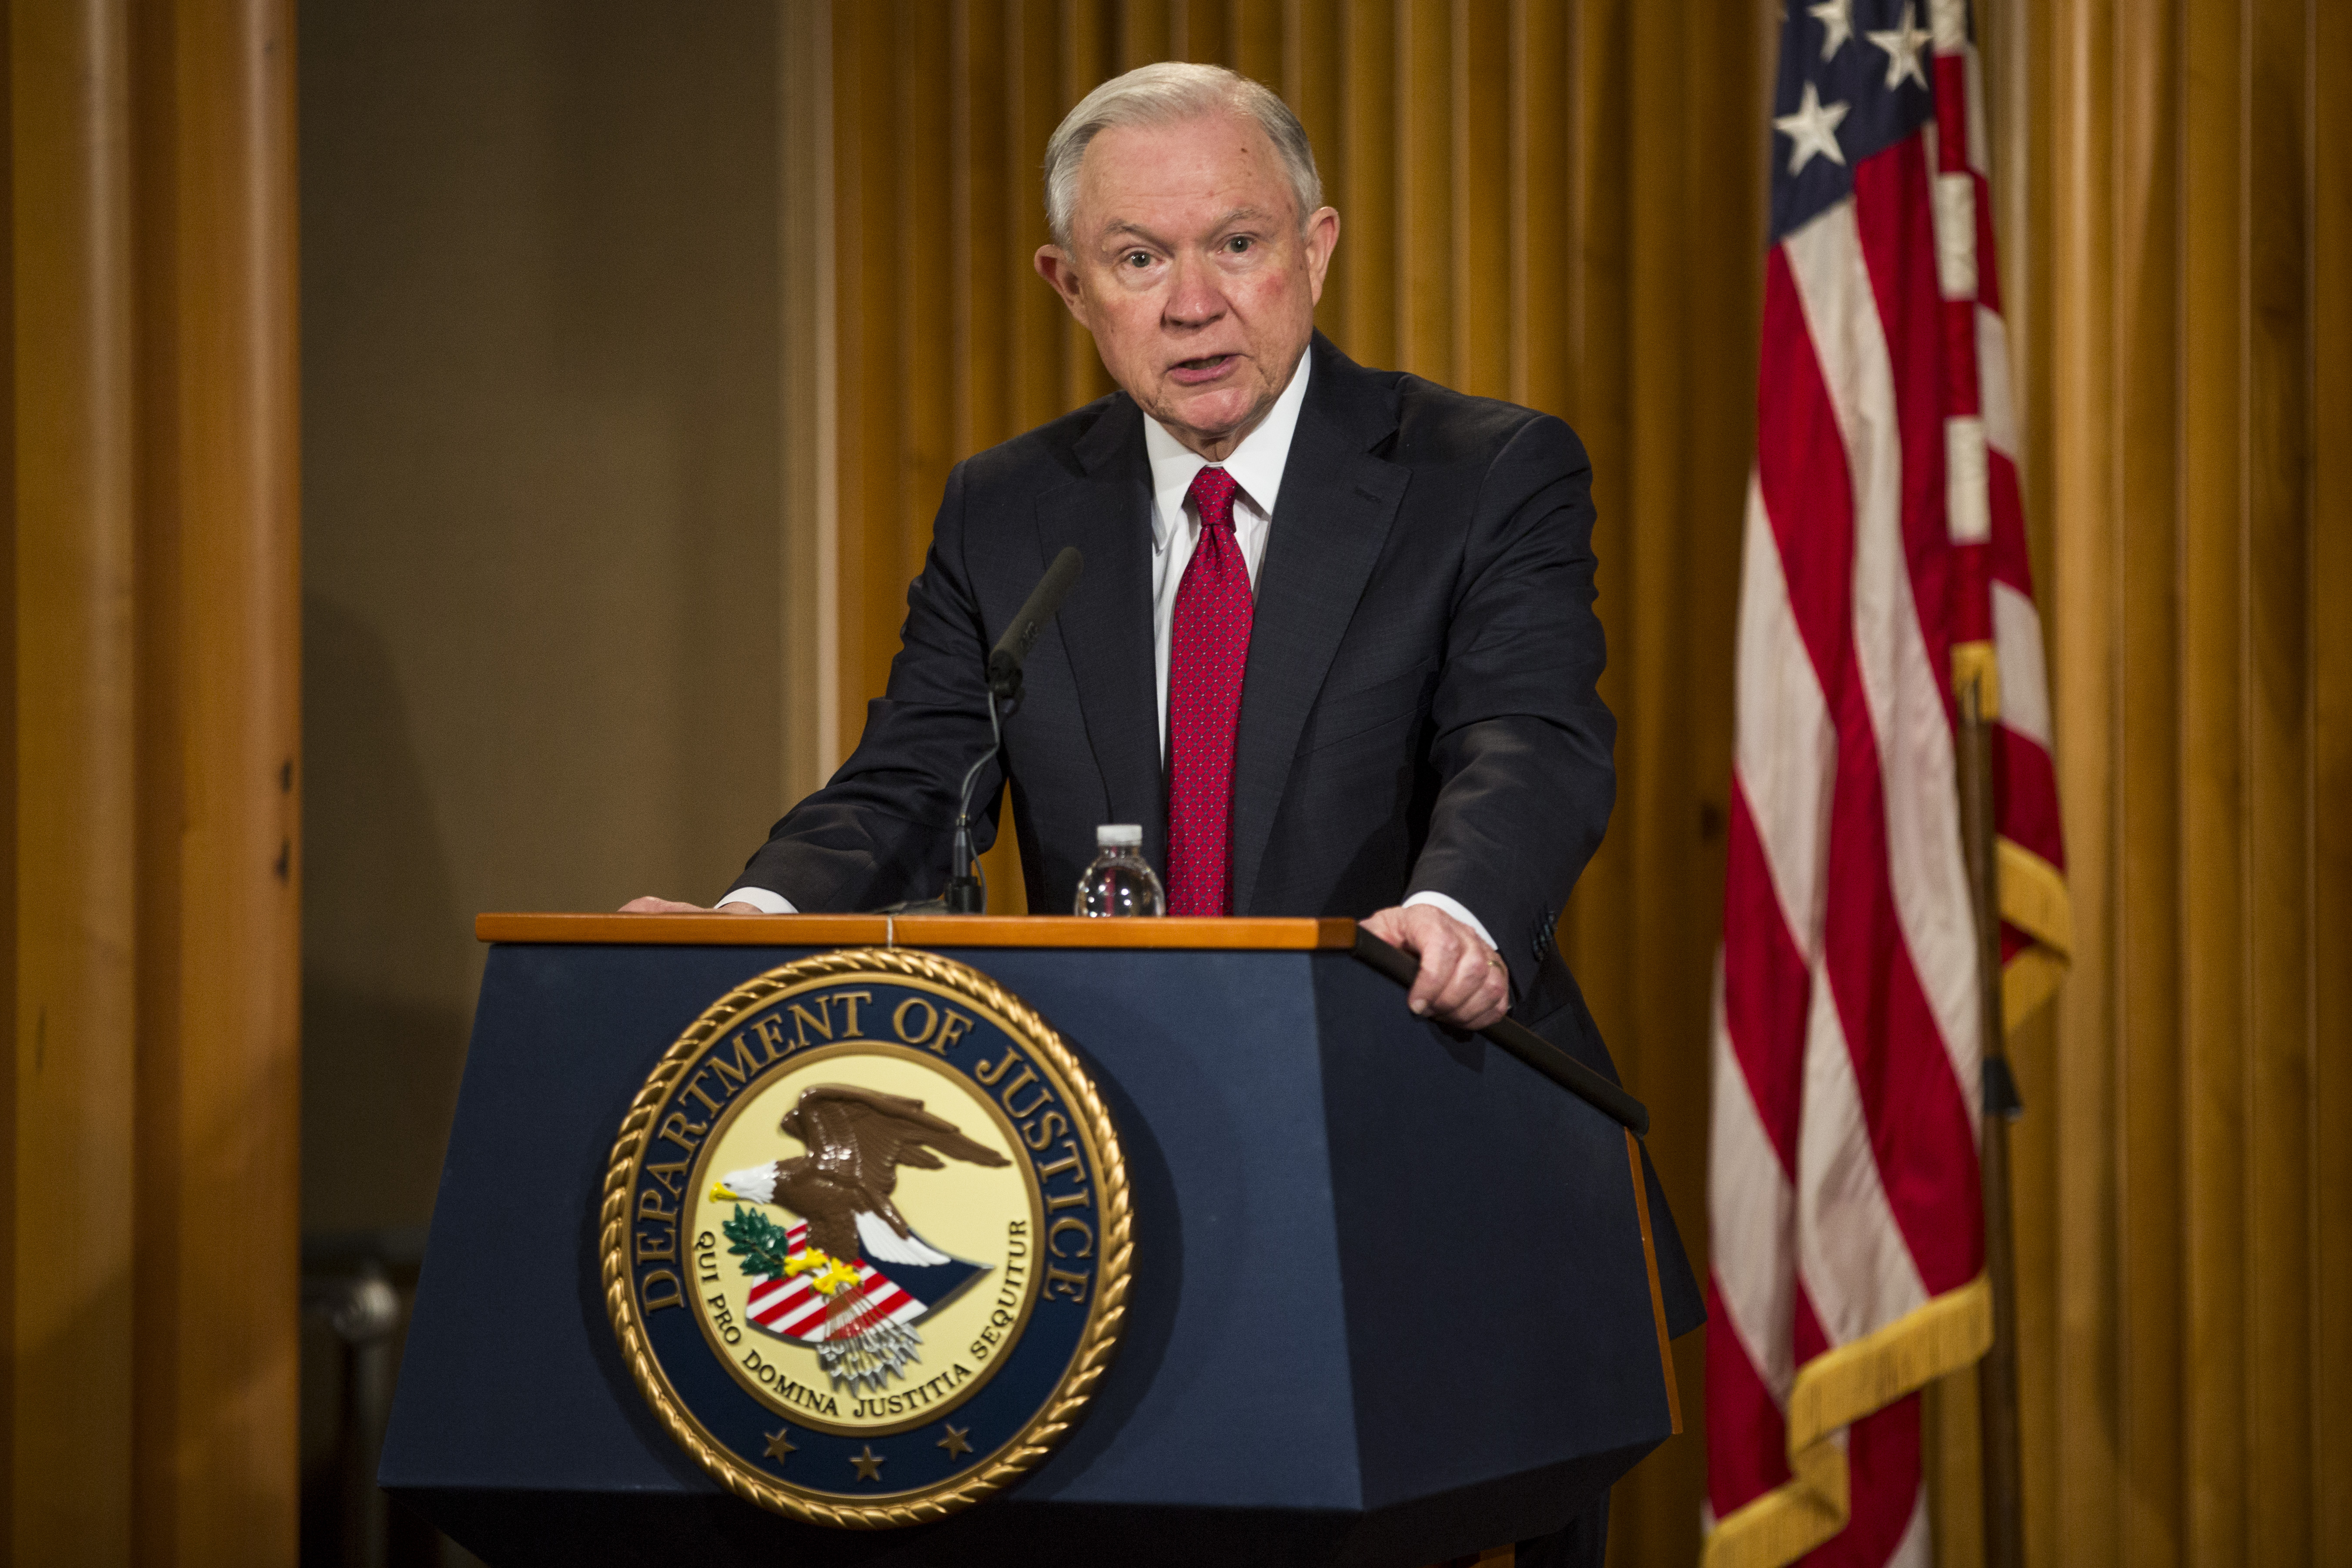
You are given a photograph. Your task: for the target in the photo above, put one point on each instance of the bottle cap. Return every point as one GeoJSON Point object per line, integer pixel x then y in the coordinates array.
{"type": "Point", "coordinates": [1118, 836]}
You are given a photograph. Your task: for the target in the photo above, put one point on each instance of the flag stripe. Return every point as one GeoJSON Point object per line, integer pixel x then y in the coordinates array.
{"type": "Point", "coordinates": [1850, 1227]}
{"type": "Point", "coordinates": [1882, 1451]}
{"type": "Point", "coordinates": [1755, 1204]}
{"type": "Point", "coordinates": [1900, 670]}
{"type": "Point", "coordinates": [1746, 1436]}
{"type": "Point", "coordinates": [1766, 991]}
{"type": "Point", "coordinates": [2024, 686]}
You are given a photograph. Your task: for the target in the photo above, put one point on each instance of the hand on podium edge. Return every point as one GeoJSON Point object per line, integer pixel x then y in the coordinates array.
{"type": "Point", "coordinates": [1462, 981]}
{"type": "Point", "coordinates": [653, 906]}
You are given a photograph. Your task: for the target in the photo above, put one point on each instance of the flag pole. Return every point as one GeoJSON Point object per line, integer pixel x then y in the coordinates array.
{"type": "Point", "coordinates": [1996, 1414]}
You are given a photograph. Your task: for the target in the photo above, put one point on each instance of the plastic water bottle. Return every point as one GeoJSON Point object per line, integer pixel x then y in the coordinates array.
{"type": "Point", "coordinates": [1120, 881]}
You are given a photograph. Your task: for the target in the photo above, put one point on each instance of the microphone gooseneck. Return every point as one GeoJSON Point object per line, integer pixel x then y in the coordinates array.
{"type": "Point", "coordinates": [967, 894]}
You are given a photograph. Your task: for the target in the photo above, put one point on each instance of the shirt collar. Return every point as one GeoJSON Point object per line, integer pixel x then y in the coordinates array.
{"type": "Point", "coordinates": [1255, 465]}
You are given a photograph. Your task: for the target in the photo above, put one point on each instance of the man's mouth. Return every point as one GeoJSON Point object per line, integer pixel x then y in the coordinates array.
{"type": "Point", "coordinates": [1201, 371]}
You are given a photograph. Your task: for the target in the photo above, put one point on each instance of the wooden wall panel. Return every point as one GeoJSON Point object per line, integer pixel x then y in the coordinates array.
{"type": "Point", "coordinates": [150, 1288]}
{"type": "Point", "coordinates": [72, 1140]}
{"type": "Point", "coordinates": [1561, 203]}
{"type": "Point", "coordinates": [2327, 145]}
{"type": "Point", "coordinates": [2164, 172]}
{"type": "Point", "coordinates": [219, 589]}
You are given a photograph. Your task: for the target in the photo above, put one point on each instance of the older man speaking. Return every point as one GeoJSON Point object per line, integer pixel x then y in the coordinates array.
{"type": "Point", "coordinates": [1334, 647]}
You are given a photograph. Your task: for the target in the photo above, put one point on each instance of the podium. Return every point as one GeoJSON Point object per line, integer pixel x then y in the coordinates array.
{"type": "Point", "coordinates": [1394, 1297]}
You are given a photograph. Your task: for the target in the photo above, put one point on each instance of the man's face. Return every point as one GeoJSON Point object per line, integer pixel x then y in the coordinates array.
{"type": "Point", "coordinates": [1188, 264]}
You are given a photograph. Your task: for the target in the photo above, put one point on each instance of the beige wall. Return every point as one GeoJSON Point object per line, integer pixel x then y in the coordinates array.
{"type": "Point", "coordinates": [541, 373]}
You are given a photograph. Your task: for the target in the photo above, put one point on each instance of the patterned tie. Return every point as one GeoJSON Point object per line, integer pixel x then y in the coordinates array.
{"type": "Point", "coordinates": [1207, 649]}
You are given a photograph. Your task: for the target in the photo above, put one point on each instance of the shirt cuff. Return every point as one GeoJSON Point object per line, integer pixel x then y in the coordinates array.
{"type": "Point", "coordinates": [766, 903]}
{"type": "Point", "coordinates": [1452, 907]}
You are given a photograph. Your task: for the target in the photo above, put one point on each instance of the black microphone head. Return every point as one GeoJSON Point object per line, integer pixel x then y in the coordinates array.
{"type": "Point", "coordinates": [1004, 674]}
{"type": "Point", "coordinates": [1046, 598]}
{"type": "Point", "coordinates": [1021, 633]}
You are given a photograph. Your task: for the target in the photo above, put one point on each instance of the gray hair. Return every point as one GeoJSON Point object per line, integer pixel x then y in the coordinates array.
{"type": "Point", "coordinates": [1164, 94]}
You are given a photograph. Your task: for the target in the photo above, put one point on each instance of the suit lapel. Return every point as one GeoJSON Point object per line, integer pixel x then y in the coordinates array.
{"type": "Point", "coordinates": [1330, 522]}
{"type": "Point", "coordinates": [1106, 625]}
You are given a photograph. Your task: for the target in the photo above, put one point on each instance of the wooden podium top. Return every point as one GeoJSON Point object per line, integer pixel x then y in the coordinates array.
{"type": "Point", "coordinates": [918, 931]}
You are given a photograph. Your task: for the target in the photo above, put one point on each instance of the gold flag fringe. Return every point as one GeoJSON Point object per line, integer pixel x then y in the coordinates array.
{"type": "Point", "coordinates": [1832, 1392]}
{"type": "Point", "coordinates": [2033, 900]}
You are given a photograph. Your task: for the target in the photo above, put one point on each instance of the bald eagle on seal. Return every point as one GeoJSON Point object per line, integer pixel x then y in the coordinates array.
{"type": "Point", "coordinates": [856, 1140]}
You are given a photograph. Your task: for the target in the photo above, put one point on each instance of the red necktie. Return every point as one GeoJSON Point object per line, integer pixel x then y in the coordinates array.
{"type": "Point", "coordinates": [1207, 649]}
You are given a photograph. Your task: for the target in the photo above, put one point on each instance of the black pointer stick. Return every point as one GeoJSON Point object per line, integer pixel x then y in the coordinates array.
{"type": "Point", "coordinates": [1523, 1043]}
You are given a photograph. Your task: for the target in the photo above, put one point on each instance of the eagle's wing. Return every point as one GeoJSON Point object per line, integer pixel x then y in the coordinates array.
{"type": "Point", "coordinates": [828, 1125]}
{"type": "Point", "coordinates": [885, 1131]}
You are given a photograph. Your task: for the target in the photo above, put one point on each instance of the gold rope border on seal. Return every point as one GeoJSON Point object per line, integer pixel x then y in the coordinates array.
{"type": "Point", "coordinates": [1106, 1315]}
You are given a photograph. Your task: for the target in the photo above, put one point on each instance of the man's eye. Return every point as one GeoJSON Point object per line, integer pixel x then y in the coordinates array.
{"type": "Point", "coordinates": [1238, 244]}
{"type": "Point", "coordinates": [1139, 259]}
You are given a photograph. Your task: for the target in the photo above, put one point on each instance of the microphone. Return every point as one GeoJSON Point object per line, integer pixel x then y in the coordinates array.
{"type": "Point", "coordinates": [1021, 633]}
{"type": "Point", "coordinates": [964, 895]}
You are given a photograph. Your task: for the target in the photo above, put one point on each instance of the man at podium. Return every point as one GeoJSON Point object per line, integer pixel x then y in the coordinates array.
{"type": "Point", "coordinates": [1334, 645]}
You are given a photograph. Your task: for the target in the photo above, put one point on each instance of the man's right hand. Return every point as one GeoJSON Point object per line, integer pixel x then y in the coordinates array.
{"type": "Point", "coordinates": [652, 906]}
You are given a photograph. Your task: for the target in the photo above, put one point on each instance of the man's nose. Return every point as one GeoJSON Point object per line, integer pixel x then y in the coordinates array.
{"type": "Point", "coordinates": [1194, 298]}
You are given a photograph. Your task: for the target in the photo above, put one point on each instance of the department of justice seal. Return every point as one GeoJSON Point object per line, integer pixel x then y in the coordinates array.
{"type": "Point", "coordinates": [866, 1238]}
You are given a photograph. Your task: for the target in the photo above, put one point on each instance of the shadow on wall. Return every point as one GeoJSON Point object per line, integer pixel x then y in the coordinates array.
{"type": "Point", "coordinates": [382, 1047]}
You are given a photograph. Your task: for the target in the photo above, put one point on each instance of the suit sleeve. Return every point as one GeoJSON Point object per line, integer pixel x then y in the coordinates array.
{"type": "Point", "coordinates": [1522, 742]}
{"type": "Point", "coordinates": [882, 829]}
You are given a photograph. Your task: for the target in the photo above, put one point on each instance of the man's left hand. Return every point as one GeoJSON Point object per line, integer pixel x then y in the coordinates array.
{"type": "Point", "coordinates": [1462, 980]}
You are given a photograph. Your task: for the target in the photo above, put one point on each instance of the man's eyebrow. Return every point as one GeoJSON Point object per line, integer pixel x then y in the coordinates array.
{"type": "Point", "coordinates": [1112, 230]}
{"type": "Point", "coordinates": [1129, 226]}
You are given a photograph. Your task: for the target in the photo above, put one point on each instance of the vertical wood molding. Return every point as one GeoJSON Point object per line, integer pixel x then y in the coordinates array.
{"type": "Point", "coordinates": [2327, 144]}
{"type": "Point", "coordinates": [218, 873]}
{"type": "Point", "coordinates": [808, 443]}
{"type": "Point", "coordinates": [10, 1087]}
{"type": "Point", "coordinates": [152, 1283]}
{"type": "Point", "coordinates": [76, 1019]}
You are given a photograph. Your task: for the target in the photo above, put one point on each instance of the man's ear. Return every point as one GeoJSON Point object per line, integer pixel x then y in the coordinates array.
{"type": "Point", "coordinates": [1322, 239]}
{"type": "Point", "coordinates": [1055, 266]}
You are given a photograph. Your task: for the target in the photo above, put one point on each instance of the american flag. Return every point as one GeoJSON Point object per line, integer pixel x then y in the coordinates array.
{"type": "Point", "coordinates": [791, 1308]}
{"type": "Point", "coordinates": [1885, 560]}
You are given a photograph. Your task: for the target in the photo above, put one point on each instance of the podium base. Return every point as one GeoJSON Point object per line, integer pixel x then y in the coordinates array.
{"type": "Point", "coordinates": [562, 1530]}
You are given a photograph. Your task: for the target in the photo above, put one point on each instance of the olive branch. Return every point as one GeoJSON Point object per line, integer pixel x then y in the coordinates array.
{"type": "Point", "coordinates": [758, 1241]}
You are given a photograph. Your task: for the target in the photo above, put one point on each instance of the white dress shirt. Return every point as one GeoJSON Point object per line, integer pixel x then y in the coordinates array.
{"type": "Point", "coordinates": [1257, 468]}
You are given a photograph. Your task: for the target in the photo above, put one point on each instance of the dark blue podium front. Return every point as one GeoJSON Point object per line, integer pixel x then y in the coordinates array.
{"type": "Point", "coordinates": [1392, 1302]}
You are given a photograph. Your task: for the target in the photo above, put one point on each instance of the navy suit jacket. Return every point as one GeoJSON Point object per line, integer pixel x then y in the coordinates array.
{"type": "Point", "coordinates": [1419, 709]}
